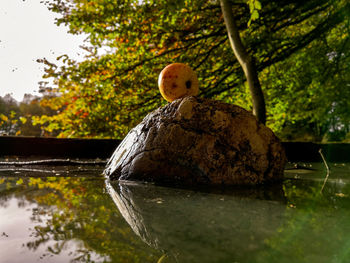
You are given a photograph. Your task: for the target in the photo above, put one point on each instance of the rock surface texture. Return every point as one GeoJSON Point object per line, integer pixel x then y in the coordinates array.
{"type": "Point", "coordinates": [196, 141]}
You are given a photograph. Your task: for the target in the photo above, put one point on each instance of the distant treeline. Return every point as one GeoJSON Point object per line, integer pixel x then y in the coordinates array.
{"type": "Point", "coordinates": [16, 118]}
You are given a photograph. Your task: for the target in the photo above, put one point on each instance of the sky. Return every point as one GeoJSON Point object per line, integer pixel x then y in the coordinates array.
{"type": "Point", "coordinates": [28, 33]}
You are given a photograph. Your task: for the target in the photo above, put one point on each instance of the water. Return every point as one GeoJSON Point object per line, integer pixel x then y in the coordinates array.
{"type": "Point", "coordinates": [72, 214]}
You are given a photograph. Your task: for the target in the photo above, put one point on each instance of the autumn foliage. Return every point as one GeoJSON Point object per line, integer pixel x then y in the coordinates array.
{"type": "Point", "coordinates": [301, 50]}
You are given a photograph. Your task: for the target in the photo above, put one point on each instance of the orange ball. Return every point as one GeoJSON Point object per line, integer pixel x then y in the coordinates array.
{"type": "Point", "coordinates": [176, 81]}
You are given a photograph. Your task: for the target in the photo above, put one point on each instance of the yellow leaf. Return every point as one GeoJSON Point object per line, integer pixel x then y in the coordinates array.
{"type": "Point", "coordinates": [23, 119]}
{"type": "Point", "coordinates": [4, 117]}
{"type": "Point", "coordinates": [19, 181]}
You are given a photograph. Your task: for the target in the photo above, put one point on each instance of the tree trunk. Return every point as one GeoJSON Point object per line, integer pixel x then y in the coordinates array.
{"type": "Point", "coordinates": [246, 61]}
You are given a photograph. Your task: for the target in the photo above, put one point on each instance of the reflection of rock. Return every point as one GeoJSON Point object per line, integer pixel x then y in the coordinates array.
{"type": "Point", "coordinates": [195, 226]}
{"type": "Point", "coordinates": [199, 141]}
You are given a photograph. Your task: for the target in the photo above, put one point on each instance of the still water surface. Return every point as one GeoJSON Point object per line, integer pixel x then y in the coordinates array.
{"type": "Point", "coordinates": [72, 214]}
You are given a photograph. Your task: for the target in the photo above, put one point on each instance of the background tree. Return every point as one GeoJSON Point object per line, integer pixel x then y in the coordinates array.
{"type": "Point", "coordinates": [247, 61]}
{"type": "Point", "coordinates": [9, 112]}
{"type": "Point", "coordinates": [15, 117]}
{"type": "Point", "coordinates": [297, 46]}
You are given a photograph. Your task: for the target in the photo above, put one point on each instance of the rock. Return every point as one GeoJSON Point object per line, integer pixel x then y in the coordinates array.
{"type": "Point", "coordinates": [196, 141]}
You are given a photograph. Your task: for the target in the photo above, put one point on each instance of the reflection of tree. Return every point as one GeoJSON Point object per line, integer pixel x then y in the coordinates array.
{"type": "Point", "coordinates": [70, 209]}
{"type": "Point", "coordinates": [316, 226]}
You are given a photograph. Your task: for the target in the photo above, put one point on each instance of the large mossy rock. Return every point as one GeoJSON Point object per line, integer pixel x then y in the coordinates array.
{"type": "Point", "coordinates": [196, 141]}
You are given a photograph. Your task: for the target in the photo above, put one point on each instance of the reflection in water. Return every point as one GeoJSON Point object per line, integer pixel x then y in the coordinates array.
{"type": "Point", "coordinates": [74, 219]}
{"type": "Point", "coordinates": [22, 224]}
{"type": "Point", "coordinates": [64, 219]}
{"type": "Point", "coordinates": [198, 226]}
{"type": "Point", "coordinates": [298, 224]}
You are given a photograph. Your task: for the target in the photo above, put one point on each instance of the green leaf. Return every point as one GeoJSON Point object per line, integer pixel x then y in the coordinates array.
{"type": "Point", "coordinates": [255, 15]}
{"type": "Point", "coordinates": [257, 5]}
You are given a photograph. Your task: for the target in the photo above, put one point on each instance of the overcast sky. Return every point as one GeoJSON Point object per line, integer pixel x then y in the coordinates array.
{"type": "Point", "coordinates": [28, 32]}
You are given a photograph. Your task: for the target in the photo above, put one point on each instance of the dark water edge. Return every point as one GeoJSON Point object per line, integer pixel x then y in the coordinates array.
{"type": "Point", "coordinates": [103, 148]}
{"type": "Point", "coordinates": [56, 147]}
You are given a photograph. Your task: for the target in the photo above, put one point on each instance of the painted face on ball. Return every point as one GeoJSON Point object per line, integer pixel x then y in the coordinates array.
{"type": "Point", "coordinates": [176, 81]}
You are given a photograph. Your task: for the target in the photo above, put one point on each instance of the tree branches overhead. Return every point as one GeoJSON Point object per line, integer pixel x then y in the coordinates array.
{"type": "Point", "coordinates": [139, 38]}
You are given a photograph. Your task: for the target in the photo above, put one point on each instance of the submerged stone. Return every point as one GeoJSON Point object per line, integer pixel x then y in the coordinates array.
{"type": "Point", "coordinates": [196, 141]}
